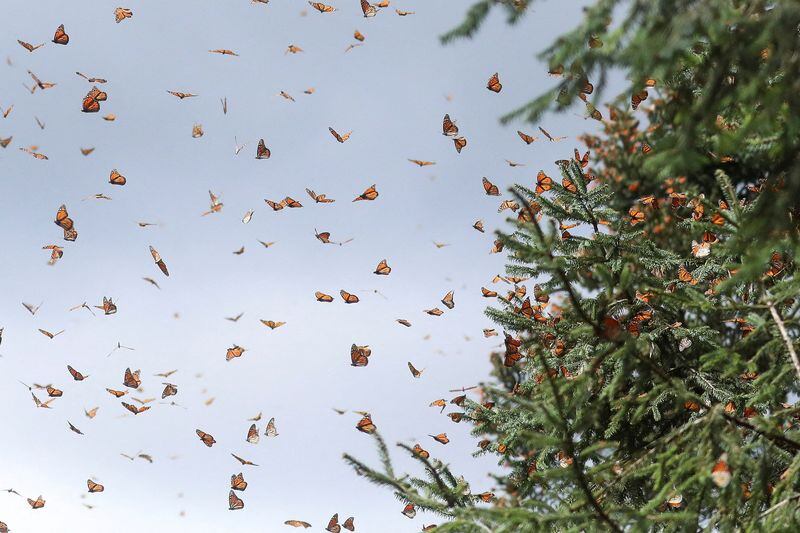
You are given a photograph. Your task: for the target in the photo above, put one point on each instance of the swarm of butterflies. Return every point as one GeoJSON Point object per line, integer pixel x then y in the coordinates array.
{"type": "Point", "coordinates": [359, 354]}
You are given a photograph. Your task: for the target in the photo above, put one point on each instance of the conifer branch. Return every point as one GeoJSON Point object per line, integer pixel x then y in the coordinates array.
{"type": "Point", "coordinates": [786, 339]}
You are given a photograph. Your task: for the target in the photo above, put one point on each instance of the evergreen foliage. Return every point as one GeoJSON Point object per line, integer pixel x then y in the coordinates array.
{"type": "Point", "coordinates": [649, 380]}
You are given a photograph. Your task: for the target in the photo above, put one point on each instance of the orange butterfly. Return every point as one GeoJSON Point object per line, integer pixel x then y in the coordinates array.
{"type": "Point", "coordinates": [494, 84]}
{"type": "Point", "coordinates": [233, 352]}
{"type": "Point", "coordinates": [422, 163]}
{"type": "Point", "coordinates": [122, 13]}
{"type": "Point", "coordinates": [54, 392]}
{"type": "Point", "coordinates": [291, 203]}
{"type": "Point", "coordinates": [135, 410]}
{"type": "Point", "coordinates": [489, 294]}
{"type": "Point", "coordinates": [449, 127]}
{"type": "Point", "coordinates": [409, 510]}
{"type": "Point", "coordinates": [272, 324]}
{"type": "Point", "coordinates": [638, 98]}
{"type": "Point", "coordinates": [262, 152]}
{"type": "Point", "coordinates": [434, 312]}
{"type": "Point", "coordinates": [271, 431]}
{"type": "Point", "coordinates": [159, 262]}
{"type": "Point", "coordinates": [685, 276]}
{"type": "Point", "coordinates": [348, 524]}
{"type": "Point", "coordinates": [238, 482]}
{"type": "Point", "coordinates": [441, 438]}
{"type": "Point", "coordinates": [319, 198]}
{"type": "Point", "coordinates": [333, 524]}
{"type": "Point", "coordinates": [169, 390]}
{"type": "Point", "coordinates": [569, 185]}
{"type": "Point", "coordinates": [478, 225]}
{"type": "Point", "coordinates": [322, 297]}
{"type": "Point", "coordinates": [322, 8]}
{"type": "Point", "coordinates": [252, 434]}
{"type": "Point", "coordinates": [448, 300]}
{"type": "Point", "coordinates": [116, 393]}
{"type": "Point", "coordinates": [29, 47]}
{"type": "Point", "coordinates": [94, 487]}
{"type": "Point", "coordinates": [5, 142]}
{"type": "Point", "coordinates": [543, 182]}
{"type": "Point", "coordinates": [60, 37]}
{"type": "Point", "coordinates": [56, 253]}
{"type": "Point", "coordinates": [181, 95]}
{"type": "Point", "coordinates": [38, 503]}
{"type": "Point", "coordinates": [234, 502]}
{"type": "Point", "coordinates": [340, 138]}
{"type": "Point", "coordinates": [460, 143]}
{"type": "Point", "coordinates": [414, 372]}
{"type": "Point", "coordinates": [299, 523]}
{"type": "Point", "coordinates": [116, 178]}
{"type": "Point", "coordinates": [108, 307]}
{"type": "Point", "coordinates": [224, 52]}
{"type": "Point", "coordinates": [419, 451]}
{"type": "Point", "coordinates": [365, 425]}
{"type": "Point", "coordinates": [527, 139]}
{"type": "Point", "coordinates": [369, 194]}
{"type": "Point", "coordinates": [404, 322]}
{"type": "Point", "coordinates": [637, 215]}
{"type": "Point", "coordinates": [550, 137]}
{"type": "Point", "coordinates": [358, 36]}
{"type": "Point", "coordinates": [91, 102]}
{"type": "Point", "coordinates": [77, 376]}
{"type": "Point", "coordinates": [368, 9]}
{"type": "Point", "coordinates": [383, 268]}
{"type": "Point", "coordinates": [490, 188]}
{"type": "Point", "coordinates": [244, 462]}
{"type": "Point", "coordinates": [207, 439]}
{"type": "Point", "coordinates": [132, 379]}
{"type": "Point", "coordinates": [359, 355]}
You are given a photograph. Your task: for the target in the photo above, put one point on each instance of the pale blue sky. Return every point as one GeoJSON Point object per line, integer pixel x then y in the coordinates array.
{"type": "Point", "coordinates": [391, 93]}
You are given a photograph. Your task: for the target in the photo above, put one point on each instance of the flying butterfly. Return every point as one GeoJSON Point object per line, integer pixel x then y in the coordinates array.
{"type": "Point", "coordinates": [383, 268]}
{"type": "Point", "coordinates": [132, 379]}
{"type": "Point", "coordinates": [135, 410]}
{"type": "Point", "coordinates": [448, 300]}
{"type": "Point", "coordinates": [182, 95]}
{"type": "Point", "coordinates": [159, 262]}
{"type": "Point", "coordinates": [365, 425]}
{"type": "Point", "coordinates": [490, 188]}
{"type": "Point", "coordinates": [340, 138]}
{"type": "Point", "coordinates": [122, 13]}
{"type": "Point", "coordinates": [369, 194]}
{"type": "Point", "coordinates": [262, 152]}
{"type": "Point", "coordinates": [238, 482]}
{"type": "Point", "coordinates": [359, 355]}
{"type": "Point", "coordinates": [319, 198]}
{"type": "Point", "coordinates": [414, 372]}
{"type": "Point", "coordinates": [29, 47]}
{"type": "Point", "coordinates": [234, 502]}
{"type": "Point", "coordinates": [494, 84]}
{"type": "Point", "coordinates": [207, 439]}
{"type": "Point", "coordinates": [94, 487]}
{"type": "Point", "coordinates": [252, 434]}
{"type": "Point", "coordinates": [449, 127]}
{"type": "Point", "coordinates": [368, 9]}
{"type": "Point", "coordinates": [116, 178]}
{"type": "Point", "coordinates": [459, 143]}
{"type": "Point", "coordinates": [322, 8]}
{"type": "Point", "coordinates": [60, 36]}
{"type": "Point", "coordinates": [543, 182]}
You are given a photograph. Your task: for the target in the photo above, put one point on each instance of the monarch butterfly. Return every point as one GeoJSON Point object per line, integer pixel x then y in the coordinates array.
{"type": "Point", "coordinates": [594, 113]}
{"type": "Point", "coordinates": [292, 49]}
{"type": "Point", "coordinates": [243, 461]}
{"type": "Point", "coordinates": [29, 47]}
{"type": "Point", "coordinates": [122, 13]}
{"type": "Point", "coordinates": [64, 222]}
{"type": "Point", "coordinates": [333, 524]}
{"type": "Point", "coordinates": [583, 161]}
{"type": "Point", "coordinates": [325, 236]}
{"type": "Point", "coordinates": [701, 249]}
{"type": "Point", "coordinates": [322, 8]}
{"type": "Point", "coordinates": [87, 151]}
{"type": "Point", "coordinates": [409, 510]}
{"type": "Point", "coordinates": [234, 351]}
{"type": "Point", "coordinates": [299, 523]}
{"type": "Point", "coordinates": [403, 13]}
{"type": "Point", "coordinates": [135, 410]}
{"type": "Point", "coordinates": [60, 36]}
{"type": "Point", "coordinates": [349, 525]}
{"type": "Point", "coordinates": [272, 324]}
{"type": "Point", "coordinates": [223, 51]}
{"type": "Point", "coordinates": [319, 198]}
{"type": "Point", "coordinates": [414, 372]}
{"type": "Point", "coordinates": [159, 262]}
{"type": "Point", "coordinates": [383, 268]}
{"type": "Point", "coordinates": [252, 434]}
{"type": "Point", "coordinates": [262, 152]}
{"type": "Point", "coordinates": [365, 425]}
{"type": "Point", "coordinates": [543, 182]}
{"type": "Point", "coordinates": [340, 138]}
{"type": "Point", "coordinates": [421, 163]}
{"type": "Point", "coordinates": [488, 332]}
{"type": "Point", "coordinates": [56, 253]}
{"type": "Point", "coordinates": [459, 143]}
{"type": "Point", "coordinates": [358, 36]}
{"type": "Point", "coordinates": [77, 376]}
{"type": "Point", "coordinates": [94, 487]}
{"type": "Point", "coordinates": [638, 98]}
{"type": "Point", "coordinates": [238, 482]}
{"type": "Point", "coordinates": [595, 42]}
{"type": "Point", "coordinates": [197, 131]}
{"type": "Point", "coordinates": [368, 9]}
{"type": "Point", "coordinates": [404, 322]}
{"type": "Point", "coordinates": [508, 204]}
{"type": "Point", "coordinates": [685, 276]}
{"type": "Point", "coordinates": [207, 438]}
{"type": "Point", "coordinates": [487, 293]}
{"type": "Point", "coordinates": [181, 95]}
{"type": "Point", "coordinates": [5, 142]}
{"type": "Point", "coordinates": [116, 393]}
{"type": "Point", "coordinates": [420, 452]}
{"type": "Point", "coordinates": [276, 206]}
{"type": "Point", "coordinates": [434, 312]}
{"type": "Point", "coordinates": [776, 264]}
{"type": "Point", "coordinates": [291, 203]}
{"type": "Point", "coordinates": [271, 429]}
{"type": "Point", "coordinates": [132, 379]}
{"type": "Point", "coordinates": [449, 127]}
{"type": "Point", "coordinates": [169, 390]}
{"type": "Point", "coordinates": [494, 84]}
{"type": "Point", "coordinates": [108, 307]}
{"type": "Point", "coordinates": [369, 194]}
{"type": "Point", "coordinates": [359, 355]}
{"type": "Point", "coordinates": [490, 188]}
{"type": "Point", "coordinates": [527, 139]}
{"type": "Point", "coordinates": [550, 137]}
{"type": "Point", "coordinates": [38, 503]}
{"type": "Point", "coordinates": [569, 185]}
{"type": "Point", "coordinates": [478, 225]}
{"type": "Point", "coordinates": [348, 298]}
{"type": "Point", "coordinates": [646, 148]}
{"type": "Point", "coordinates": [91, 102]}
{"type": "Point", "coordinates": [234, 502]}
{"type": "Point", "coordinates": [322, 297]}
{"type": "Point", "coordinates": [441, 438]}
{"type": "Point", "coordinates": [54, 392]}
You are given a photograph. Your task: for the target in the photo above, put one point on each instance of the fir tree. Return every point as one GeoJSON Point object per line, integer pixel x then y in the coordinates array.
{"type": "Point", "coordinates": [648, 379]}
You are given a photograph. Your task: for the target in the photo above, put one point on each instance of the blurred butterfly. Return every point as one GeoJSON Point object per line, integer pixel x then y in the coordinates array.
{"type": "Point", "coordinates": [135, 410]}
{"type": "Point", "coordinates": [409, 510]}
{"type": "Point", "coordinates": [116, 393]}
{"type": "Point", "coordinates": [340, 138]}
{"type": "Point", "coordinates": [414, 372]}
{"type": "Point", "coordinates": [434, 312]}
{"type": "Point", "coordinates": [404, 322]}
{"type": "Point", "coordinates": [550, 137]}
{"type": "Point", "coordinates": [91, 79]}
{"type": "Point", "coordinates": [87, 151]}
{"type": "Point", "coordinates": [299, 523]}
{"type": "Point", "coordinates": [369, 194]}
{"type": "Point", "coordinates": [207, 439]}
{"type": "Point", "coordinates": [478, 225]}
{"type": "Point", "coordinates": [181, 95]}
{"type": "Point", "coordinates": [73, 428]}
{"type": "Point", "coordinates": [108, 307]}
{"type": "Point", "coordinates": [60, 36]}
{"type": "Point", "coordinates": [271, 324]}
{"type": "Point", "coordinates": [494, 84]}
{"type": "Point", "coordinates": [29, 47]}
{"type": "Point", "coordinates": [224, 52]}
{"type": "Point", "coordinates": [197, 131]}
{"type": "Point", "coordinates": [421, 163]}
{"type": "Point", "coordinates": [234, 502]}
{"type": "Point", "coordinates": [403, 13]}
{"type": "Point", "coordinates": [244, 462]}
{"type": "Point", "coordinates": [54, 392]}
{"type": "Point", "coordinates": [292, 49]}
{"type": "Point", "coordinates": [419, 451]}
{"type": "Point", "coordinates": [262, 152]}
{"type": "Point", "coordinates": [322, 8]}
{"type": "Point", "coordinates": [77, 376]}
{"type": "Point", "coordinates": [122, 13]}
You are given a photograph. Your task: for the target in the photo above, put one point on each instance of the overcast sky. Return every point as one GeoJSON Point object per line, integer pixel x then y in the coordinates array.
{"type": "Point", "coordinates": [392, 93]}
